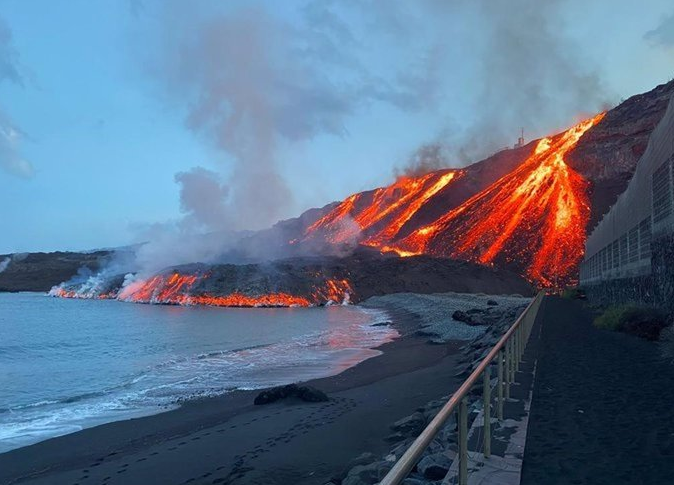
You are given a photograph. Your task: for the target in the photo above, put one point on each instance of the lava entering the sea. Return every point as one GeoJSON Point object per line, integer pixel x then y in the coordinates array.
{"type": "Point", "coordinates": [181, 289]}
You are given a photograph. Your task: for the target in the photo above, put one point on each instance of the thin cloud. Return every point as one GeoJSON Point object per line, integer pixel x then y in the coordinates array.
{"type": "Point", "coordinates": [11, 160]}
{"type": "Point", "coordinates": [663, 34]}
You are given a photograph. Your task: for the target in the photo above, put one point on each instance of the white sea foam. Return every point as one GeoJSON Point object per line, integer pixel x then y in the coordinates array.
{"type": "Point", "coordinates": [341, 338]}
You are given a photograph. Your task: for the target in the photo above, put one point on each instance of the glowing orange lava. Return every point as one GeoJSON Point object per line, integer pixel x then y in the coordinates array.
{"type": "Point", "coordinates": [533, 217]}
{"type": "Point", "coordinates": [178, 289]}
{"type": "Point", "coordinates": [380, 214]}
{"type": "Point", "coordinates": [241, 300]}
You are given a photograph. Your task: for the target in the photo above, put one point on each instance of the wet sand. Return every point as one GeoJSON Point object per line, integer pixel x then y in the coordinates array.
{"type": "Point", "coordinates": [229, 440]}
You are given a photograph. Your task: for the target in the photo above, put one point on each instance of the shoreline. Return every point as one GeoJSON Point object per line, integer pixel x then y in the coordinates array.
{"type": "Point", "coordinates": [227, 439]}
{"type": "Point", "coordinates": [299, 355]}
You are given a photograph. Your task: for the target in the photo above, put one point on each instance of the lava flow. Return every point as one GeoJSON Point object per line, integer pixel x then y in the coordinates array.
{"type": "Point", "coordinates": [179, 289]}
{"type": "Point", "coordinates": [377, 217]}
{"type": "Point", "coordinates": [532, 219]}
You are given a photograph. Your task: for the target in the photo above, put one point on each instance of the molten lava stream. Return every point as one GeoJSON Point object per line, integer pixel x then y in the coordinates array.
{"type": "Point", "coordinates": [533, 217]}
{"type": "Point", "coordinates": [385, 210]}
{"type": "Point", "coordinates": [241, 300]}
{"type": "Point", "coordinates": [176, 289]}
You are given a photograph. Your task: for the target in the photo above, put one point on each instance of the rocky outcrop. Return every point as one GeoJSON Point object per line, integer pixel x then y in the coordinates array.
{"type": "Point", "coordinates": [436, 461]}
{"type": "Point", "coordinates": [41, 271]}
{"type": "Point", "coordinates": [303, 393]}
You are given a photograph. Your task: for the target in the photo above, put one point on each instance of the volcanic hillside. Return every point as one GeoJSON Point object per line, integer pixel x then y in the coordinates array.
{"type": "Point", "coordinates": [527, 209]}
{"type": "Point", "coordinates": [523, 211]}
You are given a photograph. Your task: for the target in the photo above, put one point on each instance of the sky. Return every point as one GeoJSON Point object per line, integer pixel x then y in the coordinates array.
{"type": "Point", "coordinates": [121, 120]}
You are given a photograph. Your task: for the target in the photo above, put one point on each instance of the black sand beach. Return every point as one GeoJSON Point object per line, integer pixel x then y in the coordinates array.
{"type": "Point", "coordinates": [602, 409]}
{"type": "Point", "coordinates": [229, 440]}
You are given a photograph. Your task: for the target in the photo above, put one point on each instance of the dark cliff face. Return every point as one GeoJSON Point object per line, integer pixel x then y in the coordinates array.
{"type": "Point", "coordinates": [607, 155]}
{"type": "Point", "coordinates": [41, 271]}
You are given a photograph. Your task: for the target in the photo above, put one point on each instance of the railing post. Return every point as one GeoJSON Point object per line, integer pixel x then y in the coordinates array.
{"type": "Point", "coordinates": [516, 343]}
{"type": "Point", "coordinates": [506, 377]}
{"type": "Point", "coordinates": [499, 387]}
{"type": "Point", "coordinates": [486, 410]}
{"type": "Point", "coordinates": [513, 360]}
{"type": "Point", "coordinates": [463, 442]}
{"type": "Point", "coordinates": [505, 352]}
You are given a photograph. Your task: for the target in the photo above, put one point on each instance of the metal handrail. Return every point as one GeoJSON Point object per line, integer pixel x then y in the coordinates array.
{"type": "Point", "coordinates": [507, 345]}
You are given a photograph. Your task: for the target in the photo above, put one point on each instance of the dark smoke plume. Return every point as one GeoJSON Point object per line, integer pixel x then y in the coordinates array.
{"type": "Point", "coordinates": [427, 158]}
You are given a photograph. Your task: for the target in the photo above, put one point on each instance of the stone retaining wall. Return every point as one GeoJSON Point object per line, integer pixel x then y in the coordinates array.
{"type": "Point", "coordinates": [656, 289]}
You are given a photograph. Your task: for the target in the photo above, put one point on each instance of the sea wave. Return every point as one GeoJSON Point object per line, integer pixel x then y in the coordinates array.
{"type": "Point", "coordinates": [163, 385]}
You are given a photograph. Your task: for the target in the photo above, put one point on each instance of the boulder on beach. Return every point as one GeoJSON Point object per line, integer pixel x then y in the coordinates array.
{"type": "Point", "coordinates": [466, 317]}
{"type": "Point", "coordinates": [304, 393]}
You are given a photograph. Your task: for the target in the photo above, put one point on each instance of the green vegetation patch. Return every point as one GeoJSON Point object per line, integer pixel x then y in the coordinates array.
{"type": "Point", "coordinates": [644, 322]}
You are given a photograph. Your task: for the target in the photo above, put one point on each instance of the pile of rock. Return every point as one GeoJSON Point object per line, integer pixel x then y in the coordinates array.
{"type": "Point", "coordinates": [303, 393]}
{"type": "Point", "coordinates": [436, 461]}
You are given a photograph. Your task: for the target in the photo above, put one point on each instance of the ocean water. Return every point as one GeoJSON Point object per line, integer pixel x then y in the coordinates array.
{"type": "Point", "coordinates": [70, 364]}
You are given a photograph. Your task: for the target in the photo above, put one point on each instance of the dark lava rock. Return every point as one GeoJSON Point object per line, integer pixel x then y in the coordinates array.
{"type": "Point", "coordinates": [368, 474]}
{"type": "Point", "coordinates": [492, 302]}
{"type": "Point", "coordinates": [410, 425]}
{"type": "Point", "coordinates": [474, 311]}
{"type": "Point", "coordinates": [305, 393]}
{"type": "Point", "coordinates": [435, 466]}
{"type": "Point", "coordinates": [381, 324]}
{"type": "Point", "coordinates": [461, 316]}
{"type": "Point", "coordinates": [395, 437]}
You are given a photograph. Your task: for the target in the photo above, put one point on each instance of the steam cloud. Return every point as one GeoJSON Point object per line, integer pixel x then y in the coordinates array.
{"type": "Point", "coordinates": [524, 72]}
{"type": "Point", "coordinates": [10, 136]}
{"type": "Point", "coordinates": [532, 76]}
{"type": "Point", "coordinates": [250, 83]}
{"type": "Point", "coordinates": [4, 263]}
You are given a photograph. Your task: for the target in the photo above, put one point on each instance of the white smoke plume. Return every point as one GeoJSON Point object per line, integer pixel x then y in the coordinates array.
{"type": "Point", "coordinates": [249, 82]}
{"type": "Point", "coordinates": [4, 263]}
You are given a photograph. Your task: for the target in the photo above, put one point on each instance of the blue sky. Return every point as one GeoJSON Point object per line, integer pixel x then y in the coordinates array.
{"type": "Point", "coordinates": [103, 102]}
